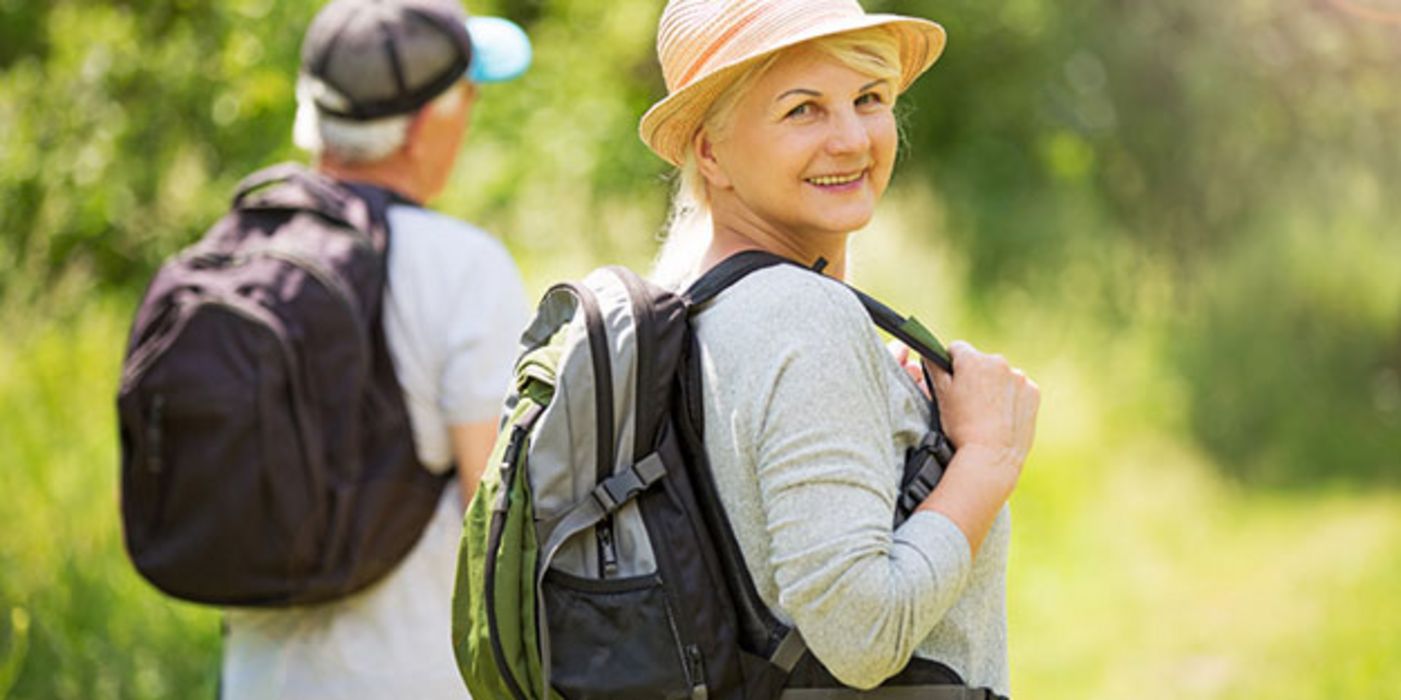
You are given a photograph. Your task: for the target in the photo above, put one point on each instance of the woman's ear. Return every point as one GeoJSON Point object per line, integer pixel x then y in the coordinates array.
{"type": "Point", "coordinates": [706, 162]}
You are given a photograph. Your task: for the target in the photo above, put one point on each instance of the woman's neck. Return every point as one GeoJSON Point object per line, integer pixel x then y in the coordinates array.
{"type": "Point", "coordinates": [733, 234]}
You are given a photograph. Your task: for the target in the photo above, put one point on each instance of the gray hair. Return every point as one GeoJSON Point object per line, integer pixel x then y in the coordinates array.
{"type": "Point", "coordinates": [346, 140]}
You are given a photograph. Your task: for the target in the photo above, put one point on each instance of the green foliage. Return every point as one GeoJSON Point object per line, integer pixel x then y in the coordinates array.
{"type": "Point", "coordinates": [1232, 145]}
{"type": "Point", "coordinates": [1182, 123]}
{"type": "Point", "coordinates": [125, 125]}
{"type": "Point", "coordinates": [1178, 216]}
{"type": "Point", "coordinates": [1295, 352]}
{"type": "Point", "coordinates": [94, 628]}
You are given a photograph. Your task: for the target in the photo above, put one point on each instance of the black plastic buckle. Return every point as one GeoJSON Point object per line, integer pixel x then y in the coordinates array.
{"type": "Point", "coordinates": [622, 487]}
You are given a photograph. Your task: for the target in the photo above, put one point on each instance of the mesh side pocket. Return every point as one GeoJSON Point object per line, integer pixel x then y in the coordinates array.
{"type": "Point", "coordinates": [613, 638]}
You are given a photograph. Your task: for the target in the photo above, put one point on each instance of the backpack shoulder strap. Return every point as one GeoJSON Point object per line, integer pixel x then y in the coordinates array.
{"type": "Point", "coordinates": [907, 329]}
{"type": "Point", "coordinates": [731, 270]}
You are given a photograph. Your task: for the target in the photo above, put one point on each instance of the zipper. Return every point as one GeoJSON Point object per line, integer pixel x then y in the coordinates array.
{"type": "Point", "coordinates": [641, 319]}
{"type": "Point", "coordinates": [170, 322]}
{"type": "Point", "coordinates": [607, 551]}
{"type": "Point", "coordinates": [154, 417]}
{"type": "Point", "coordinates": [509, 468]}
{"type": "Point", "coordinates": [313, 267]}
{"type": "Point", "coordinates": [262, 317]}
{"type": "Point", "coordinates": [328, 280]}
{"type": "Point", "coordinates": [155, 465]}
{"type": "Point", "coordinates": [682, 649]}
{"type": "Point", "coordinates": [695, 673]}
{"type": "Point", "coordinates": [599, 354]}
{"type": "Point", "coordinates": [692, 665]}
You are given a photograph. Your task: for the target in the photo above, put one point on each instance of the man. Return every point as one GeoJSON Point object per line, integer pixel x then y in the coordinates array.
{"type": "Point", "coordinates": [384, 97]}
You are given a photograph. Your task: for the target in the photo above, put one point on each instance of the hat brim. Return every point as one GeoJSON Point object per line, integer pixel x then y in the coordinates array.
{"type": "Point", "coordinates": [500, 50]}
{"type": "Point", "coordinates": [667, 128]}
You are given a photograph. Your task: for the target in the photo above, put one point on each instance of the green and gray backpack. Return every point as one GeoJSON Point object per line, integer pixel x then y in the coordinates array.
{"type": "Point", "coordinates": [596, 560]}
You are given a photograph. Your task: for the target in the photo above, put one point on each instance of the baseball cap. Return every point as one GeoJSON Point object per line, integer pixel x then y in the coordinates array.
{"type": "Point", "coordinates": [392, 57]}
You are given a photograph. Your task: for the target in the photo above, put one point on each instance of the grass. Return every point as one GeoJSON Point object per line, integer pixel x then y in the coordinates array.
{"type": "Point", "coordinates": [89, 626]}
{"type": "Point", "coordinates": [1137, 569]}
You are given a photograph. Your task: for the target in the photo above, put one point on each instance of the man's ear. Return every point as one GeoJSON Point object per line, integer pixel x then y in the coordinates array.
{"type": "Point", "coordinates": [413, 140]}
{"type": "Point", "coordinates": [706, 162]}
{"type": "Point", "coordinates": [470, 95]}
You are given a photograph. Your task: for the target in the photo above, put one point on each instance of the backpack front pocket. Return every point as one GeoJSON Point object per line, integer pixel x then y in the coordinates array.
{"type": "Point", "coordinates": [613, 638]}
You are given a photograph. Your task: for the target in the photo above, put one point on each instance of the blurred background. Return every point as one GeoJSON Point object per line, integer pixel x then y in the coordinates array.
{"type": "Point", "coordinates": [1182, 219]}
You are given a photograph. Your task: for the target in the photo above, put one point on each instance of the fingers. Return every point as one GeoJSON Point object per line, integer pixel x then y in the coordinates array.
{"type": "Point", "coordinates": [960, 348]}
{"type": "Point", "coordinates": [899, 351]}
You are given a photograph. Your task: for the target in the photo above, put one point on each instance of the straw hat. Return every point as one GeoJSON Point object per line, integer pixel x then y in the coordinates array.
{"type": "Point", "coordinates": [703, 45]}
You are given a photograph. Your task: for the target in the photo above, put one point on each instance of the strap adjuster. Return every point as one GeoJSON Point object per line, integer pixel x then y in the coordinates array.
{"type": "Point", "coordinates": [622, 487]}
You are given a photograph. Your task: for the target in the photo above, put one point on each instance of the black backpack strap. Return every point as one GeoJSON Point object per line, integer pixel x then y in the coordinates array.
{"type": "Point", "coordinates": [906, 329]}
{"type": "Point", "coordinates": [912, 692]}
{"type": "Point", "coordinates": [731, 270]}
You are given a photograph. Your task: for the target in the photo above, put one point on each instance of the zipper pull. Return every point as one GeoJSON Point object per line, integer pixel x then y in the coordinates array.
{"type": "Point", "coordinates": [607, 554]}
{"type": "Point", "coordinates": [154, 417]}
{"type": "Point", "coordinates": [696, 670]}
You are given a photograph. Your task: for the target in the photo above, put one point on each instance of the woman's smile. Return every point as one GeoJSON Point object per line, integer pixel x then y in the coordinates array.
{"type": "Point", "coordinates": [838, 183]}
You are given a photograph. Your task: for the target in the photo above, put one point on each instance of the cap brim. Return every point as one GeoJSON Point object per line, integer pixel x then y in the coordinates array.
{"type": "Point", "coordinates": [667, 128]}
{"type": "Point", "coordinates": [500, 50]}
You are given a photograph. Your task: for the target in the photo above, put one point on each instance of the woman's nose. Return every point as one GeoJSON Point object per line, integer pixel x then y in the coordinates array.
{"type": "Point", "coordinates": [849, 134]}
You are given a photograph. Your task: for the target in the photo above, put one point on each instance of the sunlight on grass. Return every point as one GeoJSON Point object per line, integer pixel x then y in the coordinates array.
{"type": "Point", "coordinates": [96, 629]}
{"type": "Point", "coordinates": [1138, 570]}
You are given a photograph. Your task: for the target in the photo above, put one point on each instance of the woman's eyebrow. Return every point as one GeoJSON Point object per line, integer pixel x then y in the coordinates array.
{"type": "Point", "coordinates": [798, 91]}
{"type": "Point", "coordinates": [814, 93]}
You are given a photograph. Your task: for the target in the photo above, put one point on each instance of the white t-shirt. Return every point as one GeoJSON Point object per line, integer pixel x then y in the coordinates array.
{"type": "Point", "coordinates": [454, 310]}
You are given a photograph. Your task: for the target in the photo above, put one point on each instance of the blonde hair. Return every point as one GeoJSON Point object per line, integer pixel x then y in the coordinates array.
{"type": "Point", "coordinates": [874, 52]}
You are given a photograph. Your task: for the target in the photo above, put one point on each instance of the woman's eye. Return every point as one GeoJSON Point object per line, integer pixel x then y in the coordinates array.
{"type": "Point", "coordinates": [868, 98]}
{"type": "Point", "coordinates": [800, 110]}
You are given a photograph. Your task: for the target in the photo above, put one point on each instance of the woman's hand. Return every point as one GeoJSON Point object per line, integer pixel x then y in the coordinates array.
{"type": "Point", "coordinates": [986, 404]}
{"type": "Point", "coordinates": [988, 410]}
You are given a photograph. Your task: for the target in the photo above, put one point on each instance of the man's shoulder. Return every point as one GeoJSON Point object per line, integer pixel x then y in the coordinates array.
{"type": "Point", "coordinates": [431, 236]}
{"type": "Point", "coordinates": [417, 222]}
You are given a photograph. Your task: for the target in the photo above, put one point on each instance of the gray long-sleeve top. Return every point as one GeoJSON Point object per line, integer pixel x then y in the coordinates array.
{"type": "Point", "coordinates": [807, 422]}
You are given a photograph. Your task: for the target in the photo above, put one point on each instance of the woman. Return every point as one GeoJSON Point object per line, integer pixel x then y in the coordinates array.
{"type": "Point", "coordinates": [779, 115]}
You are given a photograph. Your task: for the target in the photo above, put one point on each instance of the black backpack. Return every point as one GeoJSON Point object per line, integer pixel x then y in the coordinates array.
{"type": "Point", "coordinates": [266, 453]}
{"type": "Point", "coordinates": [597, 559]}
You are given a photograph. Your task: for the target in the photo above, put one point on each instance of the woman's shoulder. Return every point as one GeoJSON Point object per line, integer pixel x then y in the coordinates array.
{"type": "Point", "coordinates": [785, 307]}
{"type": "Point", "coordinates": [787, 294]}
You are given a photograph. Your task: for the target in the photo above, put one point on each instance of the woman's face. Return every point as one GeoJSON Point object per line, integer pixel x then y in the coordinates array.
{"type": "Point", "coordinates": [809, 148]}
